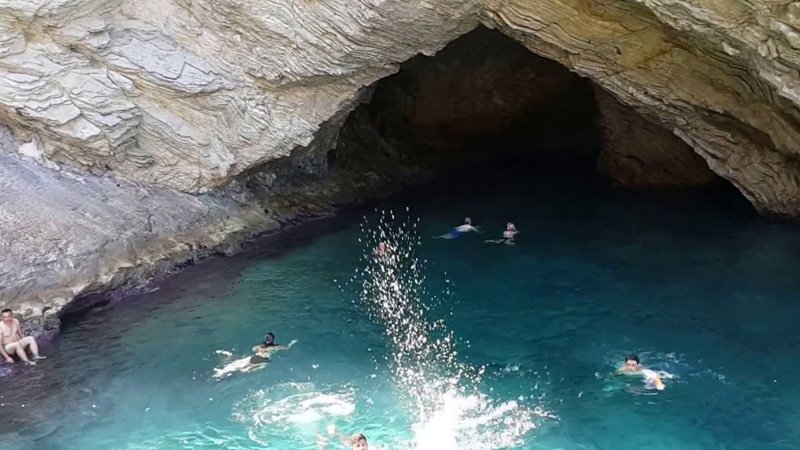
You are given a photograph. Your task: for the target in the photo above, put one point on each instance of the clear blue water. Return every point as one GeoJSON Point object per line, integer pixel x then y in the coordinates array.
{"type": "Point", "coordinates": [693, 282]}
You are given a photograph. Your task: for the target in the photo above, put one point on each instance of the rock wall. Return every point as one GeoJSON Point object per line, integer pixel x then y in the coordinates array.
{"type": "Point", "coordinates": [640, 153]}
{"type": "Point", "coordinates": [158, 123]}
{"type": "Point", "coordinates": [188, 94]}
{"type": "Point", "coordinates": [721, 74]}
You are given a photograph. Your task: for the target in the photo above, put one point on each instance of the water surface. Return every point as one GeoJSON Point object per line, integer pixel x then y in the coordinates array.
{"type": "Point", "coordinates": [693, 282]}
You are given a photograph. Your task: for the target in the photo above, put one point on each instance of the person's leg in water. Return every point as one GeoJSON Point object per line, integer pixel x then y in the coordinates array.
{"type": "Point", "coordinates": [16, 347]}
{"type": "Point", "coordinates": [451, 235]}
{"type": "Point", "coordinates": [29, 342]}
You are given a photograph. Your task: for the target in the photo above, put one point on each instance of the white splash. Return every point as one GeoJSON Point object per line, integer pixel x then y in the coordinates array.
{"type": "Point", "coordinates": [441, 391]}
{"type": "Point", "coordinates": [290, 411]}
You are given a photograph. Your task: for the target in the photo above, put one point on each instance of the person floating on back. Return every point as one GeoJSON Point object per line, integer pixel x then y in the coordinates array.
{"type": "Point", "coordinates": [507, 237]}
{"type": "Point", "coordinates": [257, 361]}
{"type": "Point", "coordinates": [13, 342]}
{"type": "Point", "coordinates": [633, 367]}
{"type": "Point", "coordinates": [460, 230]}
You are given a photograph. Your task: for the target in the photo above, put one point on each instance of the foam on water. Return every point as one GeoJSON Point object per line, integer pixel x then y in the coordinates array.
{"type": "Point", "coordinates": [291, 411]}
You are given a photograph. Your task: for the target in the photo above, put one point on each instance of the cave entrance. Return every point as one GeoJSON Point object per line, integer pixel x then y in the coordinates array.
{"type": "Point", "coordinates": [487, 101]}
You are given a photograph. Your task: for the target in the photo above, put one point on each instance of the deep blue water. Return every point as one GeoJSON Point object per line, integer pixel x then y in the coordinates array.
{"type": "Point", "coordinates": [693, 282]}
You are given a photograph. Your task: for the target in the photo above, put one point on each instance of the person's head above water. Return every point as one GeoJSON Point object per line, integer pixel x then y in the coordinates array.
{"type": "Point", "coordinates": [468, 220]}
{"type": "Point", "coordinates": [510, 226]}
{"type": "Point", "coordinates": [631, 363]}
{"type": "Point", "coordinates": [269, 339]}
{"type": "Point", "coordinates": [359, 442]}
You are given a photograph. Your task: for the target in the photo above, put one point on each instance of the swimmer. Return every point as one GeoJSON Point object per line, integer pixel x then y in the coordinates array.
{"type": "Point", "coordinates": [460, 230]}
{"type": "Point", "coordinates": [384, 249]}
{"type": "Point", "coordinates": [264, 349]}
{"type": "Point", "coordinates": [254, 362]}
{"type": "Point", "coordinates": [359, 442]}
{"type": "Point", "coordinates": [13, 342]}
{"type": "Point", "coordinates": [356, 442]}
{"type": "Point", "coordinates": [632, 367]}
{"type": "Point", "coordinates": [507, 237]}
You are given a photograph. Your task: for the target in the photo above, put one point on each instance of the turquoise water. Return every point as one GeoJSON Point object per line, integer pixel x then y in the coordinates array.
{"type": "Point", "coordinates": [693, 282]}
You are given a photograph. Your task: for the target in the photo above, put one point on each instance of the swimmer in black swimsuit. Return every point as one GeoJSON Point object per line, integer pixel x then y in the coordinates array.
{"type": "Point", "coordinates": [262, 355]}
{"type": "Point", "coordinates": [267, 347]}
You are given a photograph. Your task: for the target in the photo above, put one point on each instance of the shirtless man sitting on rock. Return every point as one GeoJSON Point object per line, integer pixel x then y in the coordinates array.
{"type": "Point", "coordinates": [13, 342]}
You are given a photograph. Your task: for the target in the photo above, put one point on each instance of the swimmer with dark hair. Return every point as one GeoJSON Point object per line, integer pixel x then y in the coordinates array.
{"type": "Point", "coordinates": [257, 361]}
{"type": "Point", "coordinates": [633, 367]}
{"type": "Point", "coordinates": [263, 350]}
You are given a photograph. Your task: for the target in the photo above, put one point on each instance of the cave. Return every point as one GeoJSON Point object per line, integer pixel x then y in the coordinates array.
{"type": "Point", "coordinates": [485, 103]}
{"type": "Point", "coordinates": [181, 177]}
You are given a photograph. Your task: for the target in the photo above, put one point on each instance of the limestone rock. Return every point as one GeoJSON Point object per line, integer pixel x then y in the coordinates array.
{"type": "Point", "coordinates": [135, 123]}
{"type": "Point", "coordinates": [716, 72]}
{"type": "Point", "coordinates": [641, 153]}
{"type": "Point", "coordinates": [190, 95]}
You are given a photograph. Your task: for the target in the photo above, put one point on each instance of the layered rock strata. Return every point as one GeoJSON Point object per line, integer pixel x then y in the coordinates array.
{"type": "Point", "coordinates": [186, 105]}
{"type": "Point", "coordinates": [721, 75]}
{"type": "Point", "coordinates": [640, 153]}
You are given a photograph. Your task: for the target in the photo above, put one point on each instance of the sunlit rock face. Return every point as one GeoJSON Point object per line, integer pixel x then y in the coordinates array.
{"type": "Point", "coordinates": [189, 95]}
{"type": "Point", "coordinates": [192, 103]}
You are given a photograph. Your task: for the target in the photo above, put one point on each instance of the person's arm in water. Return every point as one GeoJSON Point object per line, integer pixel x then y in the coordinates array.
{"type": "Point", "coordinates": [273, 348]}
{"type": "Point", "coordinates": [284, 347]}
{"type": "Point", "coordinates": [658, 383]}
{"type": "Point", "coordinates": [652, 377]}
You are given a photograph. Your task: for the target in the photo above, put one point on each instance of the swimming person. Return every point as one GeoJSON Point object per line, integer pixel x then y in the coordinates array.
{"type": "Point", "coordinates": [356, 442]}
{"type": "Point", "coordinates": [13, 342]}
{"type": "Point", "coordinates": [633, 367]}
{"type": "Point", "coordinates": [507, 237]}
{"type": "Point", "coordinates": [461, 230]}
{"type": "Point", "coordinates": [384, 250]}
{"type": "Point", "coordinates": [359, 442]}
{"type": "Point", "coordinates": [269, 346]}
{"type": "Point", "coordinates": [254, 362]}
